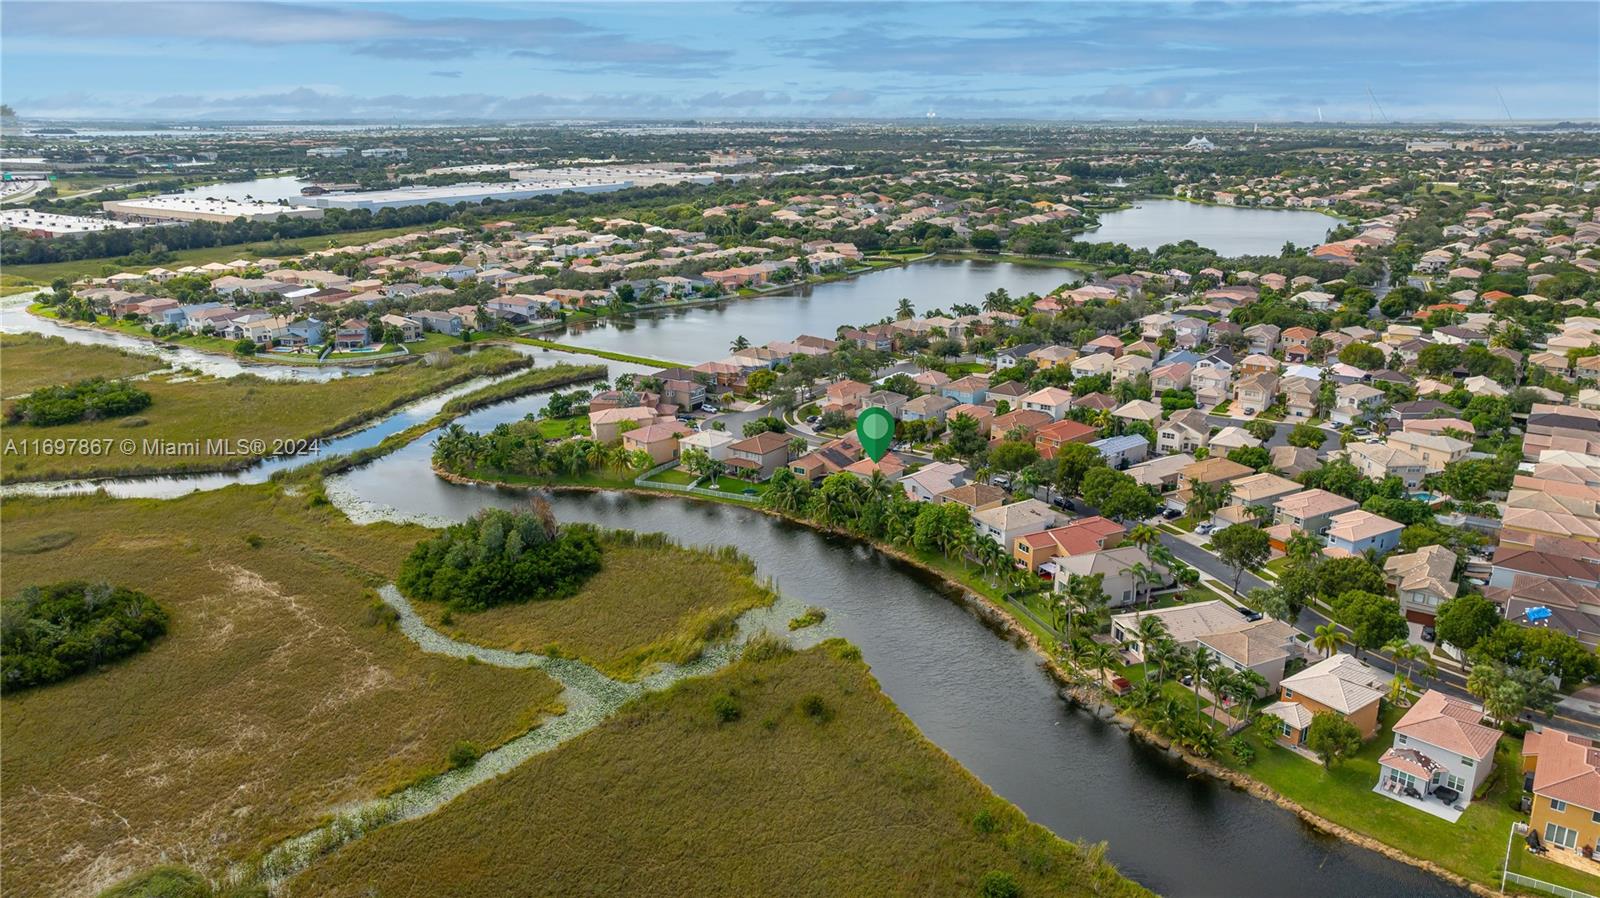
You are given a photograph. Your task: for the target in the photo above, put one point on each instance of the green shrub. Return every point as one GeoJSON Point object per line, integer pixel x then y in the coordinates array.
{"type": "Point", "coordinates": [725, 707]}
{"type": "Point", "coordinates": [501, 556]}
{"type": "Point", "coordinates": [254, 540]}
{"type": "Point", "coordinates": [90, 400]}
{"type": "Point", "coordinates": [815, 708]}
{"type": "Point", "coordinates": [161, 882]}
{"type": "Point", "coordinates": [985, 821]}
{"type": "Point", "coordinates": [52, 632]}
{"type": "Point", "coordinates": [464, 754]}
{"type": "Point", "coordinates": [764, 646]}
{"type": "Point", "coordinates": [380, 614]}
{"type": "Point", "coordinates": [1242, 750]}
{"type": "Point", "coordinates": [998, 884]}
{"type": "Point", "coordinates": [810, 618]}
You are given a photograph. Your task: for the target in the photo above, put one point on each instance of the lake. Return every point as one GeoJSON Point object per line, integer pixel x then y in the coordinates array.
{"type": "Point", "coordinates": [703, 333]}
{"type": "Point", "coordinates": [268, 189]}
{"type": "Point", "coordinates": [1229, 230]}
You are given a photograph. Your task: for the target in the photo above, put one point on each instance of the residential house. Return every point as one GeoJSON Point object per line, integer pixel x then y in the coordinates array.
{"type": "Point", "coordinates": [1566, 789]}
{"type": "Point", "coordinates": [845, 396]}
{"type": "Point", "coordinates": [1161, 473]}
{"type": "Point", "coordinates": [1211, 383]}
{"type": "Point", "coordinates": [932, 480]}
{"type": "Point", "coordinates": [1292, 461]}
{"type": "Point", "coordinates": [974, 497]}
{"type": "Point", "coordinates": [1265, 647]}
{"type": "Point", "coordinates": [1262, 490]}
{"type": "Point", "coordinates": [970, 389]}
{"type": "Point", "coordinates": [1356, 403]}
{"type": "Point", "coordinates": [1300, 397]}
{"type": "Point", "coordinates": [1184, 431]}
{"type": "Point", "coordinates": [1032, 551]}
{"type": "Point", "coordinates": [759, 456]}
{"type": "Point", "coordinates": [1093, 365]}
{"type": "Point", "coordinates": [1434, 450]}
{"type": "Point", "coordinates": [888, 400]}
{"type": "Point", "coordinates": [1140, 410]}
{"type": "Point", "coordinates": [682, 387]}
{"type": "Point", "coordinates": [352, 334]}
{"type": "Point", "coordinates": [1254, 393]}
{"type": "Point", "coordinates": [1438, 744]}
{"type": "Point", "coordinates": [1232, 437]}
{"type": "Point", "coordinates": [1339, 684]}
{"type": "Point", "coordinates": [1357, 531]}
{"type": "Point", "coordinates": [608, 424]}
{"type": "Point", "coordinates": [714, 443]}
{"type": "Point", "coordinates": [1005, 524]}
{"type": "Point", "coordinates": [1053, 401]}
{"type": "Point", "coordinates": [659, 440]}
{"type": "Point", "coordinates": [1120, 452]}
{"type": "Point", "coordinates": [1171, 376]}
{"type": "Point", "coordinates": [1050, 438]}
{"type": "Point", "coordinates": [926, 407]}
{"type": "Point", "coordinates": [447, 323]}
{"type": "Point", "coordinates": [1310, 511]}
{"type": "Point", "coordinates": [1019, 424]}
{"type": "Point", "coordinates": [1117, 568]}
{"type": "Point", "coordinates": [410, 331]}
{"type": "Point", "coordinates": [1185, 624]}
{"type": "Point", "coordinates": [1380, 460]}
{"type": "Point", "coordinates": [1263, 338]}
{"type": "Point", "coordinates": [1422, 580]}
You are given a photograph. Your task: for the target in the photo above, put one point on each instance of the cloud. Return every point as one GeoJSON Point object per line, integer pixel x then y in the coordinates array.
{"type": "Point", "coordinates": [849, 97]}
{"type": "Point", "coordinates": [1126, 97]}
{"type": "Point", "coordinates": [446, 73]}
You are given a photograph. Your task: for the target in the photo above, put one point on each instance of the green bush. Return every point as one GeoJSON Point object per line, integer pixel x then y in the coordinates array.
{"type": "Point", "coordinates": [985, 822]}
{"type": "Point", "coordinates": [997, 884]}
{"type": "Point", "coordinates": [464, 754]}
{"type": "Point", "coordinates": [725, 707]}
{"type": "Point", "coordinates": [52, 632]}
{"type": "Point", "coordinates": [498, 557]}
{"type": "Point", "coordinates": [815, 708]}
{"type": "Point", "coordinates": [89, 400]}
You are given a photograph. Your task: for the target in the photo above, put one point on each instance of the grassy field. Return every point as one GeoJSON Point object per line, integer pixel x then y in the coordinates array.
{"type": "Point", "coordinates": [31, 361]}
{"type": "Point", "coordinates": [651, 602]}
{"type": "Point", "coordinates": [276, 694]}
{"type": "Point", "coordinates": [818, 786]}
{"type": "Point", "coordinates": [44, 273]}
{"type": "Point", "coordinates": [600, 353]}
{"type": "Point", "coordinates": [530, 381]}
{"type": "Point", "coordinates": [237, 408]}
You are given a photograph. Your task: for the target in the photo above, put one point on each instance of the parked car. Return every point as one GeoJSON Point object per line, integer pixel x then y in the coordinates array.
{"type": "Point", "coordinates": [1203, 529]}
{"type": "Point", "coordinates": [1428, 634]}
{"type": "Point", "coordinates": [1248, 614]}
{"type": "Point", "coordinates": [1171, 513]}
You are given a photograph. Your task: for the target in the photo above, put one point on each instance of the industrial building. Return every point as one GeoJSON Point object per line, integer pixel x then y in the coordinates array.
{"type": "Point", "coordinates": [461, 193]}
{"type": "Point", "coordinates": [47, 224]}
{"type": "Point", "coordinates": [187, 207]}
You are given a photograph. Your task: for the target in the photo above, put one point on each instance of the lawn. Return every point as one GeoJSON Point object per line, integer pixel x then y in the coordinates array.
{"type": "Point", "coordinates": [233, 409]}
{"type": "Point", "coordinates": [275, 695]}
{"type": "Point", "coordinates": [601, 353]}
{"type": "Point", "coordinates": [1473, 846]}
{"type": "Point", "coordinates": [676, 476]}
{"type": "Point", "coordinates": [31, 361]}
{"type": "Point", "coordinates": [44, 273]}
{"type": "Point", "coordinates": [653, 601]}
{"type": "Point", "coordinates": [810, 782]}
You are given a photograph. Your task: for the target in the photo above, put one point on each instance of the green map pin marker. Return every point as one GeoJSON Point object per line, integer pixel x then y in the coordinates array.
{"type": "Point", "coordinates": [875, 429]}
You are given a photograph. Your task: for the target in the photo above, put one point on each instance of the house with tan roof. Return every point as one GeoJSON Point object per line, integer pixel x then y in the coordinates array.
{"type": "Point", "coordinates": [1339, 684]}
{"type": "Point", "coordinates": [1355, 402]}
{"type": "Point", "coordinates": [1380, 460]}
{"type": "Point", "coordinates": [1355, 532]}
{"type": "Point", "coordinates": [1310, 511]}
{"type": "Point", "coordinates": [1264, 647]}
{"type": "Point", "coordinates": [1423, 580]}
{"type": "Point", "coordinates": [1262, 490]}
{"type": "Point", "coordinates": [1117, 570]}
{"type": "Point", "coordinates": [1053, 401]}
{"type": "Point", "coordinates": [1006, 523]}
{"type": "Point", "coordinates": [606, 425]}
{"type": "Point", "coordinates": [974, 497]}
{"type": "Point", "coordinates": [1435, 450]}
{"type": "Point", "coordinates": [1566, 789]}
{"type": "Point", "coordinates": [1300, 396]}
{"type": "Point", "coordinates": [1254, 392]}
{"type": "Point", "coordinates": [1185, 430]}
{"type": "Point", "coordinates": [1185, 624]}
{"type": "Point", "coordinates": [1441, 754]}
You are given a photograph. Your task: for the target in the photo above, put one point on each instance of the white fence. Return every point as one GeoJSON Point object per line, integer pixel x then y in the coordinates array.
{"type": "Point", "coordinates": [1541, 885]}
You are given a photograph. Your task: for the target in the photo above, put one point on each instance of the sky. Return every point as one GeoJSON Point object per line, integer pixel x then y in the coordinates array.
{"type": "Point", "coordinates": [459, 61]}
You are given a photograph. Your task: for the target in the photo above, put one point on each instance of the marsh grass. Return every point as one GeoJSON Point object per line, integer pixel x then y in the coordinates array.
{"type": "Point", "coordinates": [722, 785]}
{"type": "Point", "coordinates": [274, 696]}
{"type": "Point", "coordinates": [654, 602]}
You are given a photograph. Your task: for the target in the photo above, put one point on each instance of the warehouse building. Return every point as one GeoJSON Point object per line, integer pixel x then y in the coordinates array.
{"type": "Point", "coordinates": [187, 207]}
{"type": "Point", "coordinates": [460, 193]}
{"type": "Point", "coordinates": [46, 224]}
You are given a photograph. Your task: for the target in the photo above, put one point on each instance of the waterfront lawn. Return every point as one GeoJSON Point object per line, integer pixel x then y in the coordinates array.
{"type": "Point", "coordinates": [277, 693]}
{"type": "Point", "coordinates": [1473, 846]}
{"type": "Point", "coordinates": [652, 601]}
{"type": "Point", "coordinates": [194, 411]}
{"type": "Point", "coordinates": [33, 361]}
{"type": "Point", "coordinates": [808, 782]}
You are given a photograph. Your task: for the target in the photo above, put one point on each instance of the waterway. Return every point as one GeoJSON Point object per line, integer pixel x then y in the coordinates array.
{"type": "Point", "coordinates": [979, 697]}
{"type": "Point", "coordinates": [704, 333]}
{"type": "Point", "coordinates": [1229, 230]}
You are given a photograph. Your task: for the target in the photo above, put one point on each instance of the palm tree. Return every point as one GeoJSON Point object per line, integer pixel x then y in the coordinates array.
{"type": "Point", "coordinates": [1200, 663]}
{"type": "Point", "coordinates": [1145, 693]}
{"type": "Point", "coordinates": [1150, 630]}
{"type": "Point", "coordinates": [1104, 657]}
{"type": "Point", "coordinates": [1164, 653]}
{"type": "Point", "coordinates": [1245, 687]}
{"type": "Point", "coordinates": [904, 309]}
{"type": "Point", "coordinates": [738, 343]}
{"type": "Point", "coordinates": [1144, 536]}
{"type": "Point", "coordinates": [1143, 575]}
{"type": "Point", "coordinates": [1328, 638]}
{"type": "Point", "coordinates": [1219, 680]}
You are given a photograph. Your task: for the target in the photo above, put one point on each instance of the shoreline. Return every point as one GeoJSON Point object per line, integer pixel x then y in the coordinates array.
{"type": "Point", "coordinates": [342, 429]}
{"type": "Point", "coordinates": [1006, 625]}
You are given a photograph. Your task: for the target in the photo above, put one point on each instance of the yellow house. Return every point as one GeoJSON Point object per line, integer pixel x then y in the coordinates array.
{"type": "Point", "coordinates": [1566, 789]}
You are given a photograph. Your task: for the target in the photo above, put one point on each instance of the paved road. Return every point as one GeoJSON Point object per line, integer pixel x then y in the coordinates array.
{"type": "Point", "coordinates": [1577, 715]}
